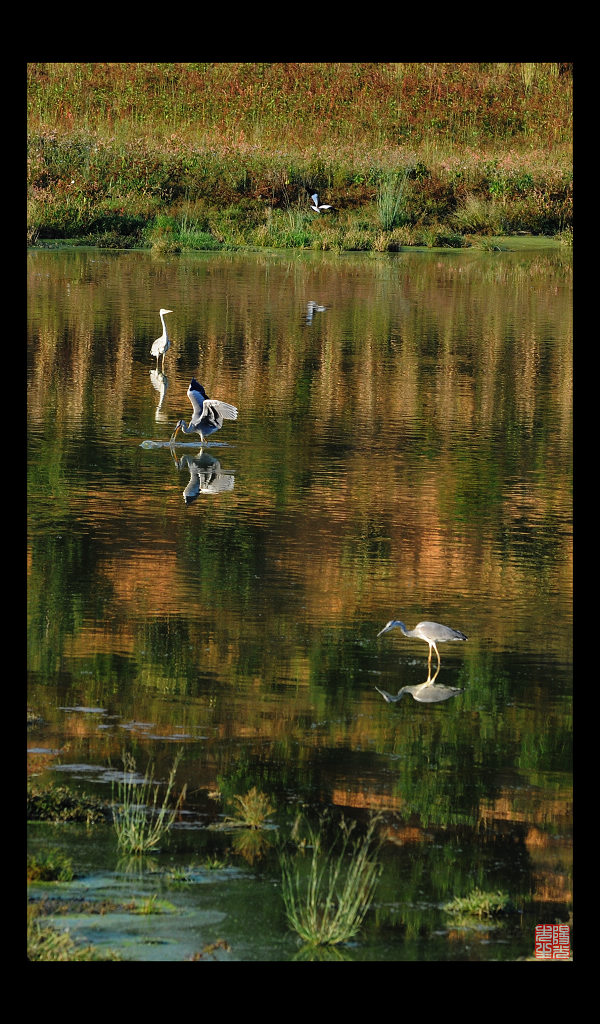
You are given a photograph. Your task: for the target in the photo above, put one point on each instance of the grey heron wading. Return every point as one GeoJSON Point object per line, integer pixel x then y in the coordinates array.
{"type": "Point", "coordinates": [433, 633]}
{"type": "Point", "coordinates": [208, 415]}
{"type": "Point", "coordinates": [162, 345]}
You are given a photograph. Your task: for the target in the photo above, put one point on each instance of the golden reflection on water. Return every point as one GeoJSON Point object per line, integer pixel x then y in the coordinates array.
{"type": "Point", "coordinates": [406, 453]}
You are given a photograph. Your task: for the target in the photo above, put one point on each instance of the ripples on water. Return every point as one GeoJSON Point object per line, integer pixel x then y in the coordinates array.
{"type": "Point", "coordinates": [404, 452]}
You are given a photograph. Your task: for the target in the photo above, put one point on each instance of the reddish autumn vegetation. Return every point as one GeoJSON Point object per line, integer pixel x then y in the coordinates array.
{"type": "Point", "coordinates": [226, 154]}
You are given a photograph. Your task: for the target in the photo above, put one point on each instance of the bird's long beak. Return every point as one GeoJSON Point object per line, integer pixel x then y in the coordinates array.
{"type": "Point", "coordinates": [385, 629]}
{"type": "Point", "coordinates": [174, 434]}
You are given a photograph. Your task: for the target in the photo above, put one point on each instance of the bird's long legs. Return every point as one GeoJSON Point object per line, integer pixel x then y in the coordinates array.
{"type": "Point", "coordinates": [439, 661]}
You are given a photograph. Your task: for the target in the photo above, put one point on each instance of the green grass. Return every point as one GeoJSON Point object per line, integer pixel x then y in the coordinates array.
{"type": "Point", "coordinates": [47, 943]}
{"type": "Point", "coordinates": [141, 819]}
{"type": "Point", "coordinates": [58, 803]}
{"type": "Point", "coordinates": [51, 866]}
{"type": "Point", "coordinates": [328, 889]}
{"type": "Point", "coordinates": [478, 905]}
{"type": "Point", "coordinates": [251, 809]}
{"type": "Point", "coordinates": [228, 153]}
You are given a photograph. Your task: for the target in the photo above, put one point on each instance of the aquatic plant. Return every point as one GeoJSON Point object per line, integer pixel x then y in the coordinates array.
{"type": "Point", "coordinates": [152, 905]}
{"type": "Point", "coordinates": [141, 822]}
{"type": "Point", "coordinates": [45, 942]}
{"type": "Point", "coordinates": [59, 803]}
{"type": "Point", "coordinates": [49, 866]}
{"type": "Point", "coordinates": [327, 897]}
{"type": "Point", "coordinates": [252, 809]}
{"type": "Point", "coordinates": [478, 904]}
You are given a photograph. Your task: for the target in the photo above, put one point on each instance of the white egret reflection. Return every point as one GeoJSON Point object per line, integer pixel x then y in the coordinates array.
{"type": "Point", "coordinates": [160, 383]}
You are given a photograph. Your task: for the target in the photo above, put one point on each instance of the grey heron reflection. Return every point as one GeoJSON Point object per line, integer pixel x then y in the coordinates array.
{"type": "Point", "coordinates": [161, 346]}
{"type": "Point", "coordinates": [433, 633]}
{"type": "Point", "coordinates": [428, 692]}
{"type": "Point", "coordinates": [208, 413]}
{"type": "Point", "coordinates": [206, 476]}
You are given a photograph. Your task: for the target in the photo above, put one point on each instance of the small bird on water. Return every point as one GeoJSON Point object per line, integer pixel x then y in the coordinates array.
{"type": "Point", "coordinates": [208, 415]}
{"type": "Point", "coordinates": [161, 346]}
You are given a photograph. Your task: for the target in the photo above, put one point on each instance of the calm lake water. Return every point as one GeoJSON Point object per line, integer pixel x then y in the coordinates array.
{"type": "Point", "coordinates": [405, 452]}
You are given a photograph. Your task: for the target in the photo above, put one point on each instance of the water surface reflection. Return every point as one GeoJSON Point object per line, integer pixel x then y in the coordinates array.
{"type": "Point", "coordinates": [407, 451]}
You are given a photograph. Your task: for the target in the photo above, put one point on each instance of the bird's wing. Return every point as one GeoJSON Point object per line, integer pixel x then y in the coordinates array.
{"type": "Point", "coordinates": [315, 198]}
{"type": "Point", "coordinates": [197, 400]}
{"type": "Point", "coordinates": [221, 409]}
{"type": "Point", "coordinates": [156, 347]}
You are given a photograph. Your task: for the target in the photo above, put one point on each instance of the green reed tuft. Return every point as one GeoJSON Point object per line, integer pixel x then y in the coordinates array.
{"type": "Point", "coordinates": [328, 891]}
{"type": "Point", "coordinates": [141, 822]}
{"type": "Point", "coordinates": [478, 904]}
{"type": "Point", "coordinates": [391, 199]}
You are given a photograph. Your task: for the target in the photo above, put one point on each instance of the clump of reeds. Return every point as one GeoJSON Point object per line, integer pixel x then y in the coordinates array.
{"type": "Point", "coordinates": [51, 866]}
{"type": "Point", "coordinates": [327, 897]}
{"type": "Point", "coordinates": [47, 943]}
{"type": "Point", "coordinates": [140, 820]}
{"type": "Point", "coordinates": [59, 803]}
{"type": "Point", "coordinates": [478, 904]}
{"type": "Point", "coordinates": [251, 809]}
{"type": "Point", "coordinates": [391, 199]}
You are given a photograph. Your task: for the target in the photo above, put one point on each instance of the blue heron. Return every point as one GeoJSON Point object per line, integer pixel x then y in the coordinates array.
{"type": "Point", "coordinates": [316, 206]}
{"type": "Point", "coordinates": [426, 693]}
{"type": "Point", "coordinates": [433, 633]}
{"type": "Point", "coordinates": [162, 344]}
{"type": "Point", "coordinates": [208, 413]}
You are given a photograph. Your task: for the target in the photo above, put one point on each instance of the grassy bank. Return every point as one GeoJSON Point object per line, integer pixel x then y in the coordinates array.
{"type": "Point", "coordinates": [203, 156]}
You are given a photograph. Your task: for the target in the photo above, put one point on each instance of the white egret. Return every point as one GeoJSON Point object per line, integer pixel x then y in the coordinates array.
{"type": "Point", "coordinates": [162, 344]}
{"type": "Point", "coordinates": [208, 414]}
{"type": "Point", "coordinates": [432, 632]}
{"type": "Point", "coordinates": [316, 206]}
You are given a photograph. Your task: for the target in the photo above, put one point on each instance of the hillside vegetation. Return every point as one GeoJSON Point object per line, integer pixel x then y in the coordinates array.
{"type": "Point", "coordinates": [223, 155]}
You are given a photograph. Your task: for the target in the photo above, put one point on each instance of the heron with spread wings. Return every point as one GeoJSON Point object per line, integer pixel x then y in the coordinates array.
{"type": "Point", "coordinates": [208, 416]}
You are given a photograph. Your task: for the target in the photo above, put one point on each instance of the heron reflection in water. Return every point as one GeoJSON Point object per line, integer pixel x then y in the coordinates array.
{"type": "Point", "coordinates": [433, 633]}
{"type": "Point", "coordinates": [208, 415]}
{"type": "Point", "coordinates": [160, 383]}
{"type": "Point", "coordinates": [311, 309]}
{"type": "Point", "coordinates": [428, 692]}
{"type": "Point", "coordinates": [206, 476]}
{"type": "Point", "coordinates": [161, 346]}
